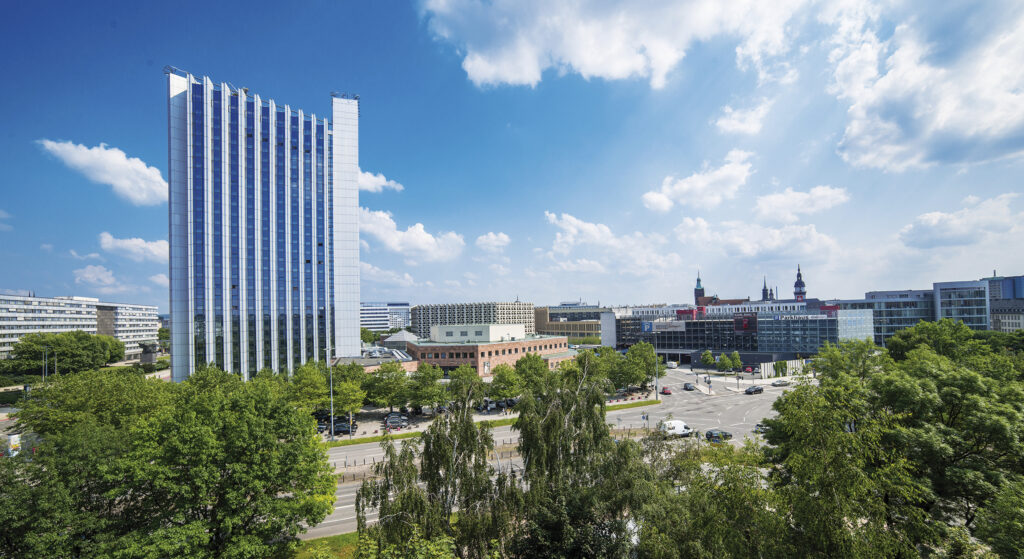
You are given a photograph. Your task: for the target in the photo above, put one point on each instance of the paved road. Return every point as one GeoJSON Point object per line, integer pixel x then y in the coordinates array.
{"type": "Point", "coordinates": [726, 408]}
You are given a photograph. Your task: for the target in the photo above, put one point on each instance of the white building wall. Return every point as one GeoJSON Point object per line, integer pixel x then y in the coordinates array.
{"type": "Point", "coordinates": [345, 122]}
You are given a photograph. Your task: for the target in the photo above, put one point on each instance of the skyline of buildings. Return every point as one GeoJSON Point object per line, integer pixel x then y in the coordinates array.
{"type": "Point", "coordinates": [264, 243]}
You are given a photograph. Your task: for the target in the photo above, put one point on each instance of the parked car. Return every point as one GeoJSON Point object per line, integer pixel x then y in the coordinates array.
{"type": "Point", "coordinates": [397, 414]}
{"type": "Point", "coordinates": [395, 423]}
{"type": "Point", "coordinates": [511, 402]}
{"type": "Point", "coordinates": [672, 365]}
{"type": "Point", "coordinates": [717, 435]}
{"type": "Point", "coordinates": [780, 382]}
{"type": "Point", "coordinates": [675, 428]}
{"type": "Point", "coordinates": [666, 390]}
{"type": "Point", "coordinates": [754, 389]}
{"type": "Point", "coordinates": [342, 428]}
{"type": "Point", "coordinates": [761, 428]}
{"type": "Point", "coordinates": [689, 386]}
{"type": "Point", "coordinates": [748, 369]}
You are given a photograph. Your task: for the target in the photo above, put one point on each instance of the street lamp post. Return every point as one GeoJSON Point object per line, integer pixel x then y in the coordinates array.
{"type": "Point", "coordinates": [330, 373]}
{"type": "Point", "coordinates": [46, 351]}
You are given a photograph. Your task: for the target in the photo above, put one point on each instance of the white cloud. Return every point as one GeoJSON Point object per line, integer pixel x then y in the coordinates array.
{"type": "Point", "coordinates": [453, 283]}
{"type": "Point", "coordinates": [91, 256]}
{"type": "Point", "coordinates": [744, 121]}
{"type": "Point", "coordinates": [160, 279]}
{"type": "Point", "coordinates": [493, 242]}
{"type": "Point", "coordinates": [46, 246]}
{"type": "Point", "coordinates": [415, 243]}
{"type": "Point", "coordinates": [581, 265]}
{"type": "Point", "coordinates": [704, 189]}
{"type": "Point", "coordinates": [18, 292]}
{"type": "Point", "coordinates": [135, 248]}
{"type": "Point", "coordinates": [369, 182]}
{"type": "Point", "coordinates": [912, 107]}
{"type": "Point", "coordinates": [515, 41]}
{"type": "Point", "coordinates": [130, 177]}
{"type": "Point", "coordinates": [787, 205]}
{"type": "Point", "coordinates": [100, 279]}
{"type": "Point", "coordinates": [967, 226]}
{"type": "Point", "coordinates": [636, 253]}
{"type": "Point", "coordinates": [5, 226]}
{"type": "Point", "coordinates": [750, 241]}
{"type": "Point", "coordinates": [499, 269]}
{"type": "Point", "coordinates": [369, 272]}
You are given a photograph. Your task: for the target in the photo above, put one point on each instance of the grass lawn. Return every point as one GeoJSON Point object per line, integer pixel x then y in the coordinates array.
{"type": "Point", "coordinates": [342, 546]}
{"type": "Point", "coordinates": [631, 405]}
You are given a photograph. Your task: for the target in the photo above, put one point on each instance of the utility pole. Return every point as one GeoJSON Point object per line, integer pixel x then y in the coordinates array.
{"type": "Point", "coordinates": [330, 372]}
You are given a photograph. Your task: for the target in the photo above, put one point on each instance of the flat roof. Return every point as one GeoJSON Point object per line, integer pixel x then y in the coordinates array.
{"type": "Point", "coordinates": [532, 338]}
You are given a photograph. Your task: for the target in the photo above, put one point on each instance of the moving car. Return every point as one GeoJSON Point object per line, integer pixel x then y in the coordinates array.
{"type": "Point", "coordinates": [754, 390]}
{"type": "Point", "coordinates": [675, 428]}
{"type": "Point", "coordinates": [666, 390]}
{"type": "Point", "coordinates": [780, 382]}
{"type": "Point", "coordinates": [717, 435]}
{"type": "Point", "coordinates": [689, 386]}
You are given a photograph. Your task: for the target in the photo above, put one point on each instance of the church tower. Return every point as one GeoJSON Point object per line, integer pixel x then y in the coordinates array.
{"type": "Point", "coordinates": [764, 290]}
{"type": "Point", "coordinates": [698, 291]}
{"type": "Point", "coordinates": [799, 289]}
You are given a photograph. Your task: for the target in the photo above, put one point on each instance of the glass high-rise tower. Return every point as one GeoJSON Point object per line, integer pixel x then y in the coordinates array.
{"type": "Point", "coordinates": [264, 232]}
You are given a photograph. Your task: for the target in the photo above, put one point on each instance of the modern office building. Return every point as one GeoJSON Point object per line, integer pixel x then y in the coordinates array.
{"type": "Point", "coordinates": [570, 320]}
{"type": "Point", "coordinates": [485, 346]}
{"type": "Point", "coordinates": [1008, 287]}
{"type": "Point", "coordinates": [965, 301]}
{"type": "Point", "coordinates": [21, 315]}
{"type": "Point", "coordinates": [131, 324]}
{"type": "Point", "coordinates": [758, 337]}
{"type": "Point", "coordinates": [381, 317]}
{"type": "Point", "coordinates": [264, 232]}
{"type": "Point", "coordinates": [425, 316]}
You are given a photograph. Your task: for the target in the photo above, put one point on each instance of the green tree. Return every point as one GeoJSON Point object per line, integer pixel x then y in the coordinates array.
{"type": "Point", "coordinates": [707, 359]}
{"type": "Point", "coordinates": [163, 334]}
{"type": "Point", "coordinates": [308, 388]}
{"type": "Point", "coordinates": [348, 398]}
{"type": "Point", "coordinates": [643, 360]}
{"type": "Point", "coordinates": [465, 387]}
{"type": "Point", "coordinates": [66, 352]}
{"type": "Point", "coordinates": [734, 357]}
{"type": "Point", "coordinates": [946, 337]}
{"type": "Point", "coordinates": [1001, 521]}
{"type": "Point", "coordinates": [387, 385]}
{"type": "Point", "coordinates": [724, 362]}
{"type": "Point", "coordinates": [113, 347]}
{"type": "Point", "coordinates": [350, 372]}
{"type": "Point", "coordinates": [506, 382]}
{"type": "Point", "coordinates": [368, 336]}
{"type": "Point", "coordinates": [781, 368]}
{"type": "Point", "coordinates": [533, 371]}
{"type": "Point", "coordinates": [425, 387]}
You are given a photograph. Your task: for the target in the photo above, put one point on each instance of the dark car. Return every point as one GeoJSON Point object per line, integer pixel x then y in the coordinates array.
{"type": "Point", "coordinates": [398, 415]}
{"type": "Point", "coordinates": [754, 390]}
{"type": "Point", "coordinates": [689, 386]}
{"type": "Point", "coordinates": [717, 435]}
{"type": "Point", "coordinates": [396, 423]}
{"type": "Point", "coordinates": [342, 428]}
{"type": "Point", "coordinates": [666, 390]}
{"type": "Point", "coordinates": [511, 402]}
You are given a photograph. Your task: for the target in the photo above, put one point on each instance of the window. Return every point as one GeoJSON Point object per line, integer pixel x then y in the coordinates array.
{"type": "Point", "coordinates": [479, 333]}
{"type": "Point", "coordinates": [463, 333]}
{"type": "Point", "coordinates": [449, 333]}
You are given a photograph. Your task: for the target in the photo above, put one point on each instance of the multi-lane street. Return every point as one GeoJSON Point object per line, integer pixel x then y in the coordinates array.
{"type": "Point", "coordinates": [727, 408]}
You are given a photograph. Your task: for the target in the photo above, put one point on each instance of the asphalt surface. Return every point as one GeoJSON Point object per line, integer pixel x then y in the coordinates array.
{"type": "Point", "coordinates": [726, 408]}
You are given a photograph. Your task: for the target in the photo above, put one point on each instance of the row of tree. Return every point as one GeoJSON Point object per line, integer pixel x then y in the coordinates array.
{"type": "Point", "coordinates": [122, 466]}
{"type": "Point", "coordinates": [917, 452]}
{"type": "Point", "coordinates": [62, 352]}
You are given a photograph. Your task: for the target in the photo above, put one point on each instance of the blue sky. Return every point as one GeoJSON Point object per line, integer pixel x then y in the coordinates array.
{"type": "Point", "coordinates": [543, 150]}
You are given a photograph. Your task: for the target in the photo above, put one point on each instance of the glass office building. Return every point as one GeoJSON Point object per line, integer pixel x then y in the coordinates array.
{"type": "Point", "coordinates": [264, 232]}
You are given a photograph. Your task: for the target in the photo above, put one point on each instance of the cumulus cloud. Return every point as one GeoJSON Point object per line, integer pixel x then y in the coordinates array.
{"type": "Point", "coordinates": [130, 177]}
{"type": "Point", "coordinates": [704, 189]}
{"type": "Point", "coordinates": [750, 241]}
{"type": "Point", "coordinates": [369, 272]}
{"type": "Point", "coordinates": [967, 226]}
{"type": "Point", "coordinates": [160, 279]}
{"type": "Point", "coordinates": [635, 253]}
{"type": "Point", "coordinates": [493, 242]}
{"type": "Point", "coordinates": [498, 269]}
{"type": "Point", "coordinates": [5, 226]}
{"type": "Point", "coordinates": [135, 248]}
{"type": "Point", "coordinates": [91, 256]}
{"type": "Point", "coordinates": [100, 279]}
{"type": "Point", "coordinates": [515, 41]}
{"type": "Point", "coordinates": [415, 243]}
{"type": "Point", "coordinates": [581, 265]}
{"type": "Point", "coordinates": [46, 246]}
{"type": "Point", "coordinates": [911, 106]}
{"type": "Point", "coordinates": [369, 182]}
{"type": "Point", "coordinates": [744, 121]}
{"type": "Point", "coordinates": [787, 205]}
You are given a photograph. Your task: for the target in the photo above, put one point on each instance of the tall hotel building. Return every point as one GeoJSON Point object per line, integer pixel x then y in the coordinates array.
{"type": "Point", "coordinates": [264, 231]}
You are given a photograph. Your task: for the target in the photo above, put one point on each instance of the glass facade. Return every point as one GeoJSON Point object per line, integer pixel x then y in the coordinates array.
{"type": "Point", "coordinates": [253, 212]}
{"type": "Point", "coordinates": [965, 301]}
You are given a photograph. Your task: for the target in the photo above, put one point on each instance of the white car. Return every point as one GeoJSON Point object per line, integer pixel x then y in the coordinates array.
{"type": "Point", "coordinates": [675, 428]}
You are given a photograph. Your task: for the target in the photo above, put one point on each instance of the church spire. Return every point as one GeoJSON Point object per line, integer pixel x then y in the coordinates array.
{"type": "Point", "coordinates": [764, 290]}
